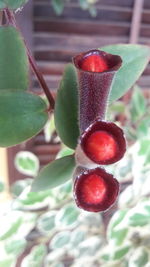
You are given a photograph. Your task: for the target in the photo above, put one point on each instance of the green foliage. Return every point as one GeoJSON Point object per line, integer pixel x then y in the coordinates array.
{"type": "Point", "coordinates": [11, 228]}
{"type": "Point", "coordinates": [138, 104]}
{"type": "Point", "coordinates": [58, 6]}
{"type": "Point", "coordinates": [139, 258]}
{"type": "Point", "coordinates": [117, 234]}
{"type": "Point", "coordinates": [22, 115]}
{"type": "Point", "coordinates": [60, 240]}
{"type": "Point", "coordinates": [36, 257]}
{"type": "Point", "coordinates": [120, 252]}
{"type": "Point", "coordinates": [54, 174]}
{"type": "Point", "coordinates": [49, 128]}
{"type": "Point", "coordinates": [14, 67]}
{"type": "Point", "coordinates": [18, 187]}
{"type": "Point", "coordinates": [135, 58]}
{"type": "Point", "coordinates": [65, 151]}
{"type": "Point", "coordinates": [27, 163]}
{"type": "Point", "coordinates": [66, 108]}
{"type": "Point", "coordinates": [67, 216]}
{"type": "Point", "coordinates": [12, 4]}
{"type": "Point", "coordinates": [7, 262]}
{"type": "Point", "coordinates": [15, 246]}
{"type": "Point", "coordinates": [46, 222]}
{"type": "Point", "coordinates": [2, 186]}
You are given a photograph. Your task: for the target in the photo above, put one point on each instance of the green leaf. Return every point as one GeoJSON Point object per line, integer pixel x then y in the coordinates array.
{"type": "Point", "coordinates": [144, 126]}
{"type": "Point", "coordinates": [33, 198]}
{"type": "Point", "coordinates": [12, 4]}
{"type": "Point", "coordinates": [119, 236]}
{"type": "Point", "coordinates": [67, 216]}
{"type": "Point", "coordinates": [2, 187]}
{"type": "Point", "coordinates": [15, 246]}
{"type": "Point", "coordinates": [54, 174]}
{"type": "Point", "coordinates": [77, 236]}
{"type": "Point", "coordinates": [138, 104]}
{"type": "Point", "coordinates": [115, 220]}
{"type": "Point", "coordinates": [35, 257]}
{"type": "Point", "coordinates": [14, 67]}
{"type": "Point", "coordinates": [139, 219]}
{"type": "Point", "coordinates": [116, 233]}
{"type": "Point", "coordinates": [65, 151]}
{"type": "Point", "coordinates": [135, 58]}
{"type": "Point", "coordinates": [18, 187]}
{"type": "Point", "coordinates": [22, 115]}
{"type": "Point", "coordinates": [49, 128]}
{"type": "Point", "coordinates": [11, 228]}
{"type": "Point", "coordinates": [120, 253]}
{"type": "Point", "coordinates": [60, 240]}
{"type": "Point", "coordinates": [66, 108]}
{"type": "Point", "coordinates": [58, 6]}
{"type": "Point", "coordinates": [139, 258]}
{"type": "Point", "coordinates": [46, 222]}
{"type": "Point", "coordinates": [27, 163]}
{"type": "Point", "coordinates": [9, 262]}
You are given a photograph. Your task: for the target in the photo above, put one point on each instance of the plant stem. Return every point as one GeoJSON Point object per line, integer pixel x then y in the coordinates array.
{"type": "Point", "coordinates": [1, 17]}
{"type": "Point", "coordinates": [11, 18]}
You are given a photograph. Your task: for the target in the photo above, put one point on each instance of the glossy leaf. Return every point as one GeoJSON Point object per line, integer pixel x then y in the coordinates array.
{"type": "Point", "coordinates": [49, 129]}
{"type": "Point", "coordinates": [65, 151]}
{"type": "Point", "coordinates": [66, 108]}
{"type": "Point", "coordinates": [115, 232]}
{"type": "Point", "coordinates": [135, 58]}
{"type": "Point", "coordinates": [36, 256]}
{"type": "Point", "coordinates": [67, 216]}
{"type": "Point", "coordinates": [22, 115]}
{"type": "Point", "coordinates": [12, 4]}
{"type": "Point", "coordinates": [138, 104]}
{"type": "Point", "coordinates": [32, 198]}
{"type": "Point", "coordinates": [9, 261]}
{"type": "Point", "coordinates": [14, 67]}
{"type": "Point", "coordinates": [139, 258]}
{"type": "Point", "coordinates": [2, 186]}
{"type": "Point", "coordinates": [15, 246]}
{"type": "Point", "coordinates": [27, 163]}
{"type": "Point", "coordinates": [54, 174]}
{"type": "Point", "coordinates": [18, 187]}
{"type": "Point", "coordinates": [139, 219]}
{"type": "Point", "coordinates": [46, 222]}
{"type": "Point", "coordinates": [10, 227]}
{"type": "Point", "coordinates": [120, 252]}
{"type": "Point", "coordinates": [60, 240]}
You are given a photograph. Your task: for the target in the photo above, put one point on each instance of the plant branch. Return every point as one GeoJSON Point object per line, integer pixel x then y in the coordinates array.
{"type": "Point", "coordinates": [1, 17]}
{"type": "Point", "coordinates": [11, 18]}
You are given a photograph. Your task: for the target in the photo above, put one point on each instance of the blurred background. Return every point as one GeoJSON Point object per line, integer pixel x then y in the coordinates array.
{"type": "Point", "coordinates": [46, 229]}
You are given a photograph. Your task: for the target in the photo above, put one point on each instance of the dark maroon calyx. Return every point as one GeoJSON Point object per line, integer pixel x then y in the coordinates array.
{"type": "Point", "coordinates": [103, 142]}
{"type": "Point", "coordinates": [95, 190]}
{"type": "Point", "coordinates": [96, 70]}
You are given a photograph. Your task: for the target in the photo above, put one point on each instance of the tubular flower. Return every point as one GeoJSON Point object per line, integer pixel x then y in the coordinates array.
{"type": "Point", "coordinates": [96, 70]}
{"type": "Point", "coordinates": [95, 190]}
{"type": "Point", "coordinates": [101, 142]}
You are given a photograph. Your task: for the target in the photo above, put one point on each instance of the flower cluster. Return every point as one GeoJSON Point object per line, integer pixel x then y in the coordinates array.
{"type": "Point", "coordinates": [101, 142]}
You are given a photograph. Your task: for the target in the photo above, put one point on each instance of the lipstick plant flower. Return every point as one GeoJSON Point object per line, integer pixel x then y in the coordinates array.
{"type": "Point", "coordinates": [95, 79]}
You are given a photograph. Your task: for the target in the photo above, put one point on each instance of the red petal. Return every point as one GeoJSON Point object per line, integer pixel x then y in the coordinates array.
{"type": "Point", "coordinates": [94, 63]}
{"type": "Point", "coordinates": [103, 142]}
{"type": "Point", "coordinates": [95, 190]}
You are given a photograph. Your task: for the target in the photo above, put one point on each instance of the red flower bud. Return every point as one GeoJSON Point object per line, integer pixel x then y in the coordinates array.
{"type": "Point", "coordinates": [103, 142]}
{"type": "Point", "coordinates": [96, 70]}
{"type": "Point", "coordinates": [95, 190]}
